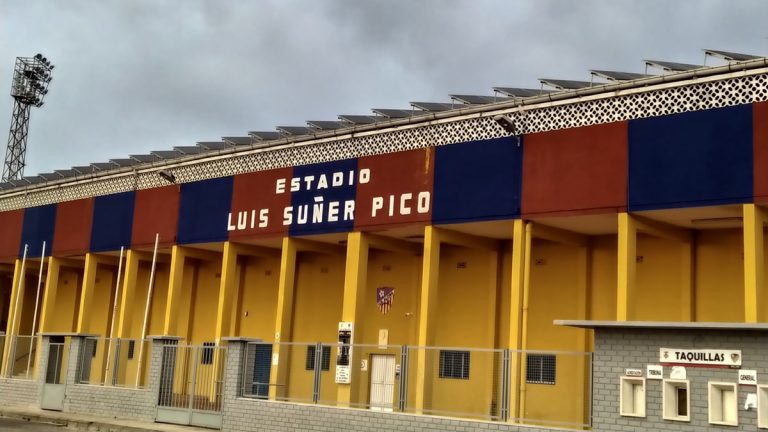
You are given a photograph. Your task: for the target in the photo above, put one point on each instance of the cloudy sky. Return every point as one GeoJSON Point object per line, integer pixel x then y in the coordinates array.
{"type": "Point", "coordinates": [142, 75]}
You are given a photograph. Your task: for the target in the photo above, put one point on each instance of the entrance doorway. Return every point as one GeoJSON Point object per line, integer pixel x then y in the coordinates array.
{"type": "Point", "coordinates": [382, 382]}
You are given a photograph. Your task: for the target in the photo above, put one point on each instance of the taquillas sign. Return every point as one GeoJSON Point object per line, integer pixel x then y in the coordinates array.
{"type": "Point", "coordinates": [705, 357]}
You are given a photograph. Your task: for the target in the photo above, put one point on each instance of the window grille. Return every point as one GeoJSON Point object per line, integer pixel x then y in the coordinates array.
{"type": "Point", "coordinates": [206, 356]}
{"type": "Point", "coordinates": [540, 369]}
{"type": "Point", "coordinates": [326, 360]}
{"type": "Point", "coordinates": [454, 364]}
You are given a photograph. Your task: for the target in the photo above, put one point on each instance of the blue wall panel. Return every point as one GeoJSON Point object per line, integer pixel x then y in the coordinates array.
{"type": "Point", "coordinates": [303, 201]}
{"type": "Point", "coordinates": [39, 224]}
{"type": "Point", "coordinates": [203, 211]}
{"type": "Point", "coordinates": [479, 180]}
{"type": "Point", "coordinates": [691, 159]}
{"type": "Point", "coordinates": [112, 222]}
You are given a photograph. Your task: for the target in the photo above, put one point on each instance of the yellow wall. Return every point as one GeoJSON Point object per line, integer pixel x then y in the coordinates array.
{"type": "Point", "coordinates": [603, 277]}
{"type": "Point", "coordinates": [202, 316]}
{"type": "Point", "coordinates": [67, 302]}
{"type": "Point", "coordinates": [659, 279]}
{"type": "Point", "coordinates": [258, 298]}
{"type": "Point", "coordinates": [135, 319]}
{"type": "Point", "coordinates": [465, 317]}
{"type": "Point", "coordinates": [719, 270]}
{"type": "Point", "coordinates": [99, 318]}
{"type": "Point", "coordinates": [557, 273]}
{"type": "Point", "coordinates": [316, 316]}
{"type": "Point", "coordinates": [403, 273]}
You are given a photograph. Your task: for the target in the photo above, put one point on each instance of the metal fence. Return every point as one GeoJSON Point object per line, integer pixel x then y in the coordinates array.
{"type": "Point", "coordinates": [532, 387]}
{"type": "Point", "coordinates": [22, 356]}
{"type": "Point", "coordinates": [114, 362]}
{"type": "Point", "coordinates": [191, 377]}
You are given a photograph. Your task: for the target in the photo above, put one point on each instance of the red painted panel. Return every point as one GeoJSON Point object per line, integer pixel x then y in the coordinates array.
{"type": "Point", "coordinates": [400, 189]}
{"type": "Point", "coordinates": [72, 235]}
{"type": "Point", "coordinates": [156, 211]}
{"type": "Point", "coordinates": [10, 234]}
{"type": "Point", "coordinates": [580, 169]}
{"type": "Point", "coordinates": [760, 131]}
{"type": "Point", "coordinates": [258, 204]}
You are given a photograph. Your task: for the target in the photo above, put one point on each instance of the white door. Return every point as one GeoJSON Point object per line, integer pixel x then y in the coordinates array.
{"type": "Point", "coordinates": [382, 382]}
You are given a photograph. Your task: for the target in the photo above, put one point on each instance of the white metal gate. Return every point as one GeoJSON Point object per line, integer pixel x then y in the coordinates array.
{"type": "Point", "coordinates": [191, 385]}
{"type": "Point", "coordinates": [382, 382]}
{"type": "Point", "coordinates": [54, 386]}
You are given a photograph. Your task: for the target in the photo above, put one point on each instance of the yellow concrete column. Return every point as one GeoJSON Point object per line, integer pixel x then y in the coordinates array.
{"type": "Point", "coordinates": [128, 298]}
{"type": "Point", "coordinates": [627, 264]}
{"type": "Point", "coordinates": [355, 277]}
{"type": "Point", "coordinates": [754, 274]}
{"type": "Point", "coordinates": [427, 306]}
{"type": "Point", "coordinates": [227, 288]}
{"type": "Point", "coordinates": [11, 330]}
{"type": "Point", "coordinates": [49, 296]}
{"type": "Point", "coordinates": [278, 379]}
{"type": "Point", "coordinates": [516, 313]}
{"type": "Point", "coordinates": [87, 293]}
{"type": "Point", "coordinates": [175, 288]}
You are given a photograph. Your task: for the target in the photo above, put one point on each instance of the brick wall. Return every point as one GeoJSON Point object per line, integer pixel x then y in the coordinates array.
{"type": "Point", "coordinates": [618, 349]}
{"type": "Point", "coordinates": [17, 392]}
{"type": "Point", "coordinates": [243, 414]}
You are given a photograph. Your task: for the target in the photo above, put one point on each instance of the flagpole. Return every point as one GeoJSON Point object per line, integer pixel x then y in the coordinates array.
{"type": "Point", "coordinates": [16, 311]}
{"type": "Point", "coordinates": [37, 302]}
{"type": "Point", "coordinates": [146, 309]}
{"type": "Point", "coordinates": [114, 312]}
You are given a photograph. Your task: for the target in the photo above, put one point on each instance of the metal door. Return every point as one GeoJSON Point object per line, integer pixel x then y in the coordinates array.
{"type": "Point", "coordinates": [191, 385]}
{"type": "Point", "coordinates": [382, 382]}
{"type": "Point", "coordinates": [55, 376]}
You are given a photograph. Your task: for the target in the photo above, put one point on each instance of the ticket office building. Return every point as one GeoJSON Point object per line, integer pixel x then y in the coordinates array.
{"type": "Point", "coordinates": [486, 242]}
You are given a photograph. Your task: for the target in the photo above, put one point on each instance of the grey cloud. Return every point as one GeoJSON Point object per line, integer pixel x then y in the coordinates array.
{"type": "Point", "coordinates": [135, 76]}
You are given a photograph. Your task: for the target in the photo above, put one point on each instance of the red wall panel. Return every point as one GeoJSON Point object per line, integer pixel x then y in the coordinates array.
{"type": "Point", "coordinates": [582, 170]}
{"type": "Point", "coordinates": [156, 211]}
{"type": "Point", "coordinates": [72, 235]}
{"type": "Point", "coordinates": [257, 207]}
{"type": "Point", "coordinates": [400, 189]}
{"type": "Point", "coordinates": [10, 234]}
{"type": "Point", "coordinates": [760, 131]}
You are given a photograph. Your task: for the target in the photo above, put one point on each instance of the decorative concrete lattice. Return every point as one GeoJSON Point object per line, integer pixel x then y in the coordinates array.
{"type": "Point", "coordinates": [687, 96]}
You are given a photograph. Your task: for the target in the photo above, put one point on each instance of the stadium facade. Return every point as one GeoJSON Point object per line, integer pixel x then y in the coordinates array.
{"type": "Point", "coordinates": [444, 243]}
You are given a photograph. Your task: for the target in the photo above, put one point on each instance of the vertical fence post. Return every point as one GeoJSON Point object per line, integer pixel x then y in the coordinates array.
{"type": "Point", "coordinates": [318, 370]}
{"type": "Point", "coordinates": [505, 363]}
{"type": "Point", "coordinates": [402, 402]}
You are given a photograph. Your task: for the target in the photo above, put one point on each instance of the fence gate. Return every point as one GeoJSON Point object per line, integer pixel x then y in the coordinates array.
{"type": "Point", "coordinates": [191, 385]}
{"type": "Point", "coordinates": [55, 375]}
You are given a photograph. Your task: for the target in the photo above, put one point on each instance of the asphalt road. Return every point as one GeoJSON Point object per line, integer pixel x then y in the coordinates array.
{"type": "Point", "coordinates": [9, 425]}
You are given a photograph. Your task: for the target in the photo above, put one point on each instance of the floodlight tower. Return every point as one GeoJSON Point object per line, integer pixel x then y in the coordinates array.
{"type": "Point", "coordinates": [31, 77]}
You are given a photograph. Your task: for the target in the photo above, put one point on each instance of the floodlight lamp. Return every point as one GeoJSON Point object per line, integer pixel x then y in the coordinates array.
{"type": "Point", "coordinates": [38, 56]}
{"type": "Point", "coordinates": [167, 176]}
{"type": "Point", "coordinates": [506, 123]}
{"type": "Point", "coordinates": [50, 68]}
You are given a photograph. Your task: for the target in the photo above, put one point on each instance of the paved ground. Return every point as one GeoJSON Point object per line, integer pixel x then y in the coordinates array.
{"type": "Point", "coordinates": [10, 425]}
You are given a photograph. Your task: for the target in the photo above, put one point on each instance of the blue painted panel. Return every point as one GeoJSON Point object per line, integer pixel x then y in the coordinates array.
{"type": "Point", "coordinates": [479, 180]}
{"type": "Point", "coordinates": [112, 222]}
{"type": "Point", "coordinates": [318, 206]}
{"type": "Point", "coordinates": [39, 224]}
{"type": "Point", "coordinates": [691, 159]}
{"type": "Point", "coordinates": [203, 211]}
